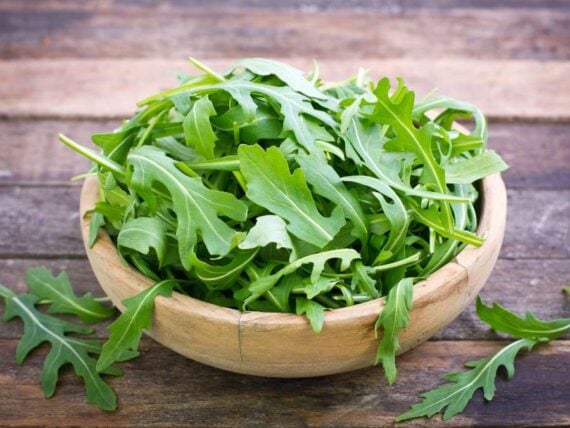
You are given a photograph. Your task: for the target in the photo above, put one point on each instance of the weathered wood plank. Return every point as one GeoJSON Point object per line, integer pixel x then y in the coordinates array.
{"type": "Point", "coordinates": [517, 284]}
{"type": "Point", "coordinates": [32, 154]}
{"type": "Point", "coordinates": [109, 88]}
{"type": "Point", "coordinates": [172, 31]}
{"type": "Point", "coordinates": [538, 154]}
{"type": "Point", "coordinates": [392, 6]}
{"type": "Point", "coordinates": [162, 388]}
{"type": "Point", "coordinates": [43, 222]}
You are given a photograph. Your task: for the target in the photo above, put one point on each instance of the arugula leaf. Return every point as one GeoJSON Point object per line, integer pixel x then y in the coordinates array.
{"type": "Point", "coordinates": [143, 233]}
{"type": "Point", "coordinates": [198, 131]}
{"type": "Point", "coordinates": [363, 146]}
{"type": "Point", "coordinates": [466, 171]}
{"type": "Point", "coordinates": [40, 328]}
{"type": "Point", "coordinates": [393, 318]}
{"type": "Point", "coordinates": [530, 327]}
{"type": "Point", "coordinates": [361, 279]}
{"type": "Point", "coordinates": [397, 112]}
{"type": "Point", "coordinates": [126, 331]}
{"type": "Point", "coordinates": [265, 283]}
{"type": "Point", "coordinates": [327, 183]}
{"type": "Point", "coordinates": [287, 74]}
{"type": "Point", "coordinates": [196, 206]}
{"type": "Point", "coordinates": [220, 277]}
{"type": "Point", "coordinates": [268, 229]}
{"type": "Point", "coordinates": [451, 399]}
{"type": "Point", "coordinates": [57, 290]}
{"type": "Point", "coordinates": [97, 222]}
{"type": "Point", "coordinates": [314, 312]}
{"type": "Point", "coordinates": [271, 185]}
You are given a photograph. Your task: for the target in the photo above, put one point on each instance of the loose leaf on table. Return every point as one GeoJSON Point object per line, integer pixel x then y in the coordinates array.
{"type": "Point", "coordinates": [268, 229]}
{"type": "Point", "coordinates": [327, 183]}
{"type": "Point", "coordinates": [469, 170]}
{"type": "Point", "coordinates": [314, 312]}
{"type": "Point", "coordinates": [450, 399]}
{"type": "Point", "coordinates": [197, 207]}
{"type": "Point", "coordinates": [126, 331]}
{"type": "Point", "coordinates": [271, 185]}
{"type": "Point", "coordinates": [40, 328]}
{"type": "Point", "coordinates": [62, 300]}
{"type": "Point", "coordinates": [502, 320]}
{"type": "Point", "coordinates": [198, 131]}
{"type": "Point", "coordinates": [143, 233]}
{"type": "Point", "coordinates": [394, 317]}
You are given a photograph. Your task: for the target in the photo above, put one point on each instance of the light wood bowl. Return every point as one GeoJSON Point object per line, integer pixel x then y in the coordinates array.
{"type": "Point", "coordinates": [283, 345]}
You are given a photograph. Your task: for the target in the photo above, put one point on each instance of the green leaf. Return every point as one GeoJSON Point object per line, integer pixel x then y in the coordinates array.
{"type": "Point", "coordinates": [197, 207]}
{"type": "Point", "coordinates": [266, 125]}
{"type": "Point", "coordinates": [57, 290]}
{"type": "Point", "coordinates": [271, 185]}
{"type": "Point", "coordinates": [265, 283]}
{"type": "Point", "coordinates": [364, 146]}
{"type": "Point", "coordinates": [292, 105]}
{"type": "Point", "coordinates": [40, 328]}
{"type": "Point", "coordinates": [394, 317]}
{"type": "Point", "coordinates": [466, 171]}
{"type": "Point", "coordinates": [395, 211]}
{"type": "Point", "coordinates": [126, 331]}
{"type": "Point", "coordinates": [450, 399]}
{"type": "Point", "coordinates": [397, 112]}
{"type": "Point", "coordinates": [431, 218]}
{"type": "Point", "coordinates": [198, 131]}
{"type": "Point", "coordinates": [322, 285]}
{"type": "Point", "coordinates": [143, 233]}
{"type": "Point", "coordinates": [268, 229]}
{"type": "Point", "coordinates": [362, 280]}
{"type": "Point", "coordinates": [314, 312]}
{"type": "Point", "coordinates": [327, 183]}
{"type": "Point", "coordinates": [287, 74]}
{"type": "Point", "coordinates": [220, 277]}
{"type": "Point", "coordinates": [480, 129]}
{"type": "Point", "coordinates": [530, 327]}
{"type": "Point", "coordinates": [97, 222]}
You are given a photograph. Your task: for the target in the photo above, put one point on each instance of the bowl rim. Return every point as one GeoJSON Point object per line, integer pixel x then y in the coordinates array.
{"type": "Point", "coordinates": [490, 222]}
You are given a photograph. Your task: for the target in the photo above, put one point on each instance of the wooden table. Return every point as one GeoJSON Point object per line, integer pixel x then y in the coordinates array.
{"type": "Point", "coordinates": [77, 67]}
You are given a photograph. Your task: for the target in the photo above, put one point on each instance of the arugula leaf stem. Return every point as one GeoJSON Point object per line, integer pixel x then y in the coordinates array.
{"type": "Point", "coordinates": [93, 156]}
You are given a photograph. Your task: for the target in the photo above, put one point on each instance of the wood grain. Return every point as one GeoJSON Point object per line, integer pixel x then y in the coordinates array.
{"type": "Point", "coordinates": [104, 88]}
{"type": "Point", "coordinates": [173, 31]}
{"type": "Point", "coordinates": [44, 222]}
{"type": "Point", "coordinates": [538, 154]}
{"type": "Point", "coordinates": [162, 387]}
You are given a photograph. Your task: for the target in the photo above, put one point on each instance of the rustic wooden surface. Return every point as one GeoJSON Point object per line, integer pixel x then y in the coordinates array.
{"type": "Point", "coordinates": [76, 67]}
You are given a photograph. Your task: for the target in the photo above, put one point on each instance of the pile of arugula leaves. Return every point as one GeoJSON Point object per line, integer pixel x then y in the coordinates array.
{"type": "Point", "coordinates": [261, 189]}
{"type": "Point", "coordinates": [92, 362]}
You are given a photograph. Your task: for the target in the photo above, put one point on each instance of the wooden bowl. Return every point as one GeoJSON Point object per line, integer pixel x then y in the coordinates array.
{"type": "Point", "coordinates": [283, 345]}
